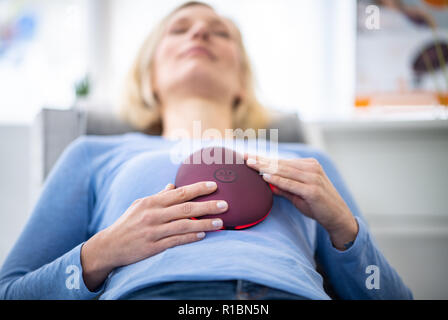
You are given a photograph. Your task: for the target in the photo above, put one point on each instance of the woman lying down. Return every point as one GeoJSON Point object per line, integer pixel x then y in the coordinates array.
{"type": "Point", "coordinates": [105, 226]}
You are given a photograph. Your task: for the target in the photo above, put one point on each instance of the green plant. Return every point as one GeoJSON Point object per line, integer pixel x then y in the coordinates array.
{"type": "Point", "coordinates": [82, 87]}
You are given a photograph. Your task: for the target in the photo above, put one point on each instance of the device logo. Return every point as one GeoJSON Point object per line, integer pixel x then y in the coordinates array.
{"type": "Point", "coordinates": [225, 175]}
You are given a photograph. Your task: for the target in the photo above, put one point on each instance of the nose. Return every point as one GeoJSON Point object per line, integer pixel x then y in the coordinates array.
{"type": "Point", "coordinates": [200, 31]}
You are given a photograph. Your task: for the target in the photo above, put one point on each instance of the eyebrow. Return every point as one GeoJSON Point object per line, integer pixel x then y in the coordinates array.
{"type": "Point", "coordinates": [214, 21]}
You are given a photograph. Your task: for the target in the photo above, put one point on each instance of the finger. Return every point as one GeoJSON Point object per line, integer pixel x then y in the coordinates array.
{"type": "Point", "coordinates": [185, 193]}
{"type": "Point", "coordinates": [192, 209]}
{"type": "Point", "coordinates": [289, 172]}
{"type": "Point", "coordinates": [187, 226]}
{"type": "Point", "coordinates": [253, 159]}
{"type": "Point", "coordinates": [256, 162]}
{"type": "Point", "coordinates": [303, 170]}
{"type": "Point", "coordinates": [178, 240]}
{"type": "Point", "coordinates": [297, 201]}
{"type": "Point", "coordinates": [292, 186]}
{"type": "Point", "coordinates": [305, 164]}
{"type": "Point", "coordinates": [169, 186]}
{"type": "Point", "coordinates": [280, 167]}
{"type": "Point", "coordinates": [248, 156]}
{"type": "Point", "coordinates": [280, 192]}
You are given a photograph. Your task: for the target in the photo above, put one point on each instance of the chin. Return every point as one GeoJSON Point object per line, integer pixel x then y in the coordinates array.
{"type": "Point", "coordinates": [197, 68]}
{"type": "Point", "coordinates": [202, 80]}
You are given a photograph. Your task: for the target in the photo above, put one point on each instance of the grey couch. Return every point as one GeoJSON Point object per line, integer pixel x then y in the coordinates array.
{"type": "Point", "coordinates": [54, 129]}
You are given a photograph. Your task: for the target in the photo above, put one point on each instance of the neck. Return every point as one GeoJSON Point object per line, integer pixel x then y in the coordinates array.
{"type": "Point", "coordinates": [193, 116]}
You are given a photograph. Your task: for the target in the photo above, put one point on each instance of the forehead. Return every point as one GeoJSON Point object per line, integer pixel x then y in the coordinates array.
{"type": "Point", "coordinates": [199, 12]}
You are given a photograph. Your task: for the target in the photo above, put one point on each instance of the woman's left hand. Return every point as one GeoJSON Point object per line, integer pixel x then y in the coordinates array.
{"type": "Point", "coordinates": [305, 184]}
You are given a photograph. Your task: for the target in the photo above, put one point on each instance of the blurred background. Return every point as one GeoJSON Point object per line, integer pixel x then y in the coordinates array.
{"type": "Point", "coordinates": [367, 79]}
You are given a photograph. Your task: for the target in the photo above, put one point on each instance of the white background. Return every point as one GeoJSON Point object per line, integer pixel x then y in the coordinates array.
{"type": "Point", "coordinates": [302, 52]}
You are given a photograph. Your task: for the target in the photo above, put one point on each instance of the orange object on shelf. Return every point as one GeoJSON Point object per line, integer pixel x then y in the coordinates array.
{"type": "Point", "coordinates": [410, 98]}
{"type": "Point", "coordinates": [361, 102]}
{"type": "Point", "coordinates": [443, 98]}
{"type": "Point", "coordinates": [437, 3]}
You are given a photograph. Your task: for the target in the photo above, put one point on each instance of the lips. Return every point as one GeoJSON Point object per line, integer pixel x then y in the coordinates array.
{"type": "Point", "coordinates": [198, 50]}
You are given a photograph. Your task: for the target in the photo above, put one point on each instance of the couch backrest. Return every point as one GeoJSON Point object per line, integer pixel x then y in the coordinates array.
{"type": "Point", "coordinates": [54, 129]}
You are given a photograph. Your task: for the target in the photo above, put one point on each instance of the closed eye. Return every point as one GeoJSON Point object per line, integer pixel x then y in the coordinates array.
{"type": "Point", "coordinates": [216, 27]}
{"type": "Point", "coordinates": [178, 30]}
{"type": "Point", "coordinates": [223, 34]}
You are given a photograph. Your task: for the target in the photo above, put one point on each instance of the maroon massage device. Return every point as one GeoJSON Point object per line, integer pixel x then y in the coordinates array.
{"type": "Point", "coordinates": [249, 197]}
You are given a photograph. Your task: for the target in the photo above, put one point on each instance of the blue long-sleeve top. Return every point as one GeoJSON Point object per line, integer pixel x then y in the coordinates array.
{"type": "Point", "coordinates": [97, 178]}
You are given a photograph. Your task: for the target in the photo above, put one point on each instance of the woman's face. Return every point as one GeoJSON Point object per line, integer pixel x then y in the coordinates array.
{"type": "Point", "coordinates": [198, 54]}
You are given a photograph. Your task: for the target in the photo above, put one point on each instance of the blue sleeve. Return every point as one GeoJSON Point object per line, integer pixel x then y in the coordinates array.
{"type": "Point", "coordinates": [45, 260]}
{"type": "Point", "coordinates": [361, 272]}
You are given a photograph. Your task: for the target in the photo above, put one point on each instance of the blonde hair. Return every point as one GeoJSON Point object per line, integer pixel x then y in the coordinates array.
{"type": "Point", "coordinates": [140, 107]}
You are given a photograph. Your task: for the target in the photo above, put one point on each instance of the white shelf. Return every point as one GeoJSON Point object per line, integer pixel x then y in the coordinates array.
{"type": "Point", "coordinates": [422, 225]}
{"type": "Point", "coordinates": [386, 117]}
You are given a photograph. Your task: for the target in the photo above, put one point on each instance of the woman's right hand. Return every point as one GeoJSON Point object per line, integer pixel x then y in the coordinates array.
{"type": "Point", "coordinates": [149, 226]}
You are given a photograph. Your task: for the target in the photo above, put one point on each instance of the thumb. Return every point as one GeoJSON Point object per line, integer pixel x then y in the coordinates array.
{"type": "Point", "coordinates": [168, 187]}
{"type": "Point", "coordinates": [297, 201]}
{"type": "Point", "coordinates": [283, 193]}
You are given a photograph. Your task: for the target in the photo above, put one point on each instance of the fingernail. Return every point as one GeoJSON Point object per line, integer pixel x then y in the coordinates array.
{"type": "Point", "coordinates": [217, 223]}
{"type": "Point", "coordinates": [251, 161]}
{"type": "Point", "coordinates": [200, 235]}
{"type": "Point", "coordinates": [210, 184]}
{"type": "Point", "coordinates": [266, 176]}
{"type": "Point", "coordinates": [167, 186]}
{"type": "Point", "coordinates": [221, 204]}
